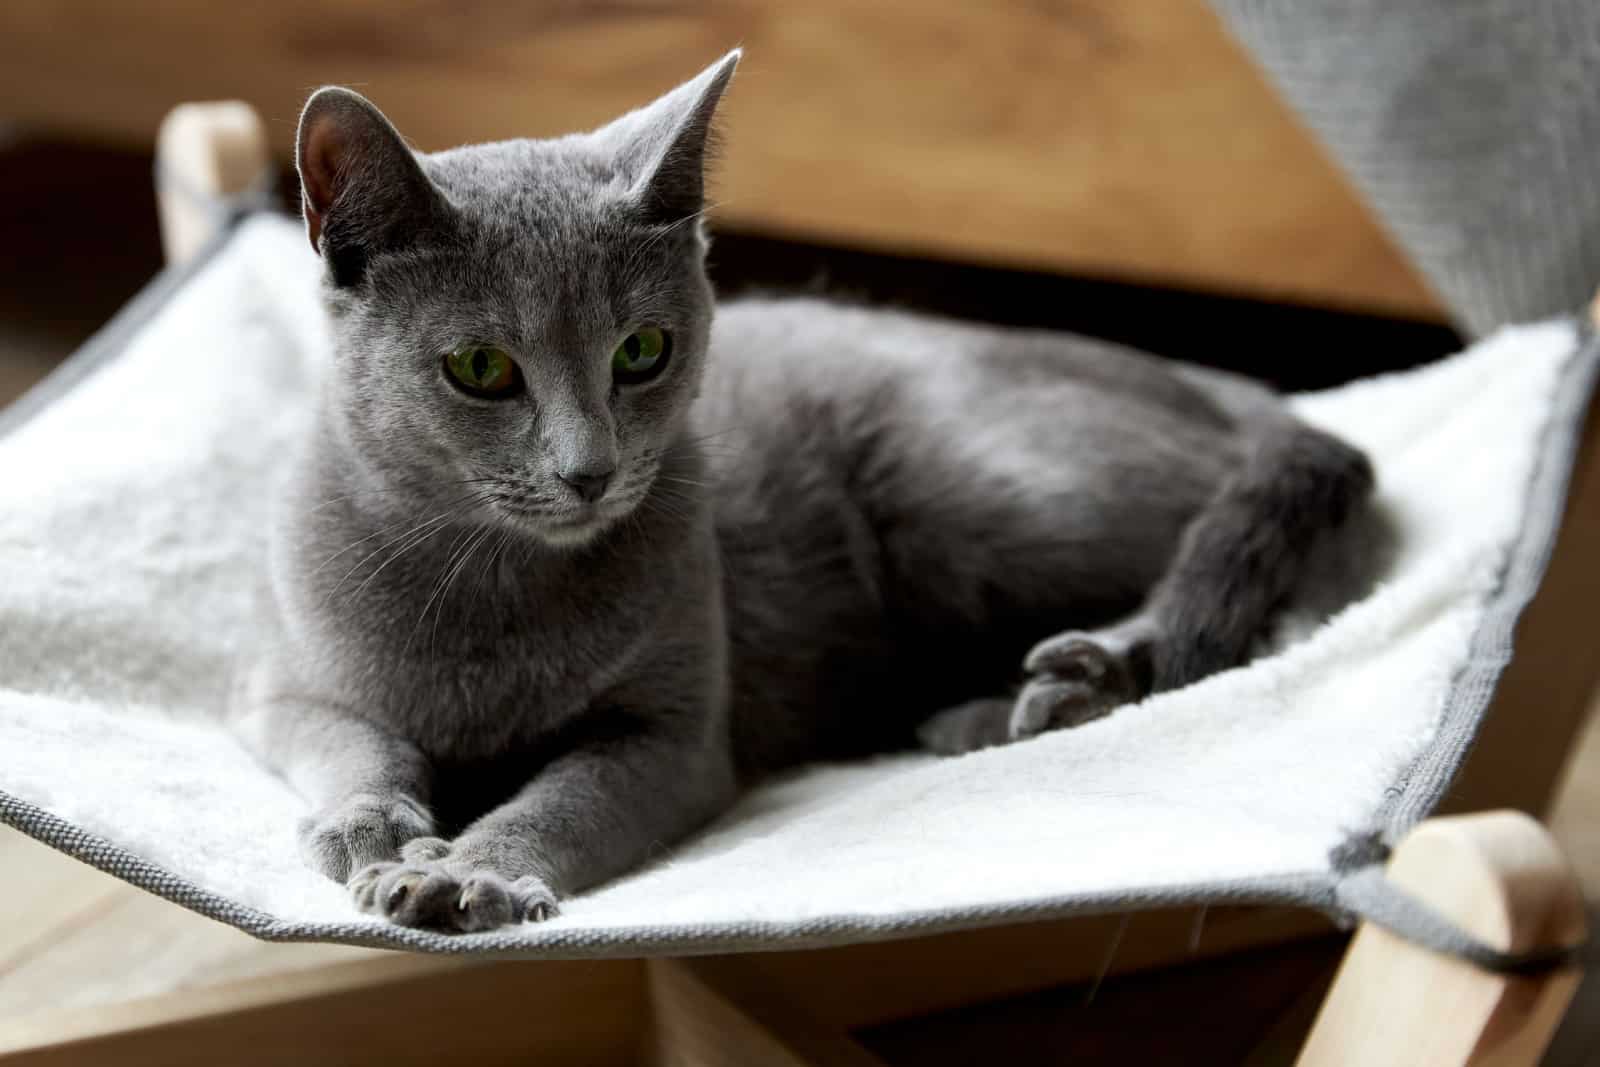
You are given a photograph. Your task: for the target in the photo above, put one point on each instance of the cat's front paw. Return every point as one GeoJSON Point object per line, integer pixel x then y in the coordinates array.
{"type": "Point", "coordinates": [361, 830]}
{"type": "Point", "coordinates": [428, 889]}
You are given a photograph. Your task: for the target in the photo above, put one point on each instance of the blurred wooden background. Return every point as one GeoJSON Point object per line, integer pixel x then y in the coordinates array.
{"type": "Point", "coordinates": [1121, 139]}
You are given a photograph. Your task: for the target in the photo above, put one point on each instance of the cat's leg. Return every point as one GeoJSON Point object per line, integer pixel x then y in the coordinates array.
{"type": "Point", "coordinates": [600, 809]}
{"type": "Point", "coordinates": [1235, 564]}
{"type": "Point", "coordinates": [368, 788]}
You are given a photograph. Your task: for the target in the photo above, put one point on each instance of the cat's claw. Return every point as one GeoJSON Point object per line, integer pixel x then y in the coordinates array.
{"type": "Point", "coordinates": [449, 896]}
{"type": "Point", "coordinates": [360, 830]}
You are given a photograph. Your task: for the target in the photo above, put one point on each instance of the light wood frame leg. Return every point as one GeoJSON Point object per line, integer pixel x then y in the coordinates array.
{"type": "Point", "coordinates": [704, 1020]}
{"type": "Point", "coordinates": [1500, 877]}
{"type": "Point", "coordinates": [205, 154]}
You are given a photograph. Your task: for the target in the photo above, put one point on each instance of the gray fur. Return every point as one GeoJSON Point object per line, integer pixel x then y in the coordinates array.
{"type": "Point", "coordinates": [823, 525]}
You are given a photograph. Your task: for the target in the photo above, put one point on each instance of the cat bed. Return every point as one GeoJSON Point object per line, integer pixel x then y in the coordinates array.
{"type": "Point", "coordinates": [132, 515]}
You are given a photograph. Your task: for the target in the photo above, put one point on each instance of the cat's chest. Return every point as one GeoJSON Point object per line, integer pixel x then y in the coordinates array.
{"type": "Point", "coordinates": [494, 672]}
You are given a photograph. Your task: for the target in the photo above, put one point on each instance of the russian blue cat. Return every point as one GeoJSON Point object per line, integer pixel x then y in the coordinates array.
{"type": "Point", "coordinates": [572, 552]}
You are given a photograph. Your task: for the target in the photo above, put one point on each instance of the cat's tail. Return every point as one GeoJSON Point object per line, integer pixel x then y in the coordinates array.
{"type": "Point", "coordinates": [1249, 548]}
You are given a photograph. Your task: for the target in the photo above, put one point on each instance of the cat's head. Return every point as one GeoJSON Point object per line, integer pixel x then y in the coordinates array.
{"type": "Point", "coordinates": [520, 327]}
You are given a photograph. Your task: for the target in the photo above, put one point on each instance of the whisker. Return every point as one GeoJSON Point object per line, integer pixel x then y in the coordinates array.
{"type": "Point", "coordinates": [494, 558]}
{"type": "Point", "coordinates": [450, 557]}
{"type": "Point", "coordinates": [415, 542]}
{"type": "Point", "coordinates": [681, 496]}
{"type": "Point", "coordinates": [662, 234]}
{"type": "Point", "coordinates": [684, 443]}
{"type": "Point", "coordinates": [670, 481]}
{"type": "Point", "coordinates": [362, 561]}
{"type": "Point", "coordinates": [360, 541]}
{"type": "Point", "coordinates": [385, 492]}
{"type": "Point", "coordinates": [442, 523]}
{"type": "Point", "coordinates": [466, 557]}
{"type": "Point", "coordinates": [380, 532]}
{"type": "Point", "coordinates": [660, 506]}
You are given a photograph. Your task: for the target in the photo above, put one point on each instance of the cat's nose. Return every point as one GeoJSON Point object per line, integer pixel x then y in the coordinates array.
{"type": "Point", "coordinates": [589, 485]}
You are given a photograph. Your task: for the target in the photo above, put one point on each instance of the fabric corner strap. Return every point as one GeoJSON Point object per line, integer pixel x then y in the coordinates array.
{"type": "Point", "coordinates": [260, 194]}
{"type": "Point", "coordinates": [1370, 895]}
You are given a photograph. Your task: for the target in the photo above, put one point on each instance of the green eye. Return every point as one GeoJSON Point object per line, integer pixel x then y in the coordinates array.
{"type": "Point", "coordinates": [483, 370]}
{"type": "Point", "coordinates": [641, 355]}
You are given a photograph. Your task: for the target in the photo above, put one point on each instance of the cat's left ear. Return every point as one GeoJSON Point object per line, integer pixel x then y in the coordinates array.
{"type": "Point", "coordinates": [663, 146]}
{"type": "Point", "coordinates": [363, 191]}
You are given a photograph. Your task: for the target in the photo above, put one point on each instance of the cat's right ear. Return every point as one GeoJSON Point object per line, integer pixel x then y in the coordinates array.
{"type": "Point", "coordinates": [362, 189]}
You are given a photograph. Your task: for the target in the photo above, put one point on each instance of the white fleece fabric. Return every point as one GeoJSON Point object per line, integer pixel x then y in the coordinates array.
{"type": "Point", "coordinates": [131, 528]}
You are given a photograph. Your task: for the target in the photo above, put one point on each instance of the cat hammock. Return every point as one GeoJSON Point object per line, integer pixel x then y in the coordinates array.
{"type": "Point", "coordinates": [132, 520]}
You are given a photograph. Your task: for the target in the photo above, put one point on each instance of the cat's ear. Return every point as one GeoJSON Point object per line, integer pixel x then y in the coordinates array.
{"type": "Point", "coordinates": [362, 189]}
{"type": "Point", "coordinates": [664, 145]}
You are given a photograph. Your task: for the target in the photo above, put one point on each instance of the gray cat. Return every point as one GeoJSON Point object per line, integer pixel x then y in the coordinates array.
{"type": "Point", "coordinates": [565, 561]}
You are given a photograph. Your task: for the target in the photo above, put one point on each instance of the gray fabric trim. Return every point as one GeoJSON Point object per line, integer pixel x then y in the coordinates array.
{"type": "Point", "coordinates": [1327, 890]}
{"type": "Point", "coordinates": [1312, 889]}
{"type": "Point", "coordinates": [1371, 895]}
{"type": "Point", "coordinates": [1471, 126]}
{"type": "Point", "coordinates": [1363, 890]}
{"type": "Point", "coordinates": [108, 342]}
{"type": "Point", "coordinates": [1473, 688]}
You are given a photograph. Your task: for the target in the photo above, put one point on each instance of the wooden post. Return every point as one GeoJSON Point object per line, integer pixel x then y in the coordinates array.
{"type": "Point", "coordinates": [1500, 877]}
{"type": "Point", "coordinates": [205, 153]}
{"type": "Point", "coordinates": [703, 1020]}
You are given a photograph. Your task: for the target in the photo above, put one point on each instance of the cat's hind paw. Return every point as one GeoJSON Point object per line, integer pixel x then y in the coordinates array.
{"type": "Point", "coordinates": [1117, 657]}
{"type": "Point", "coordinates": [361, 830]}
{"type": "Point", "coordinates": [1048, 703]}
{"type": "Point", "coordinates": [1077, 677]}
{"type": "Point", "coordinates": [1080, 676]}
{"type": "Point", "coordinates": [967, 727]}
{"type": "Point", "coordinates": [436, 894]}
